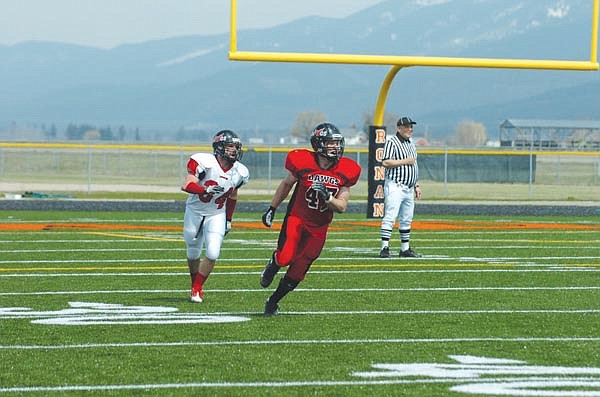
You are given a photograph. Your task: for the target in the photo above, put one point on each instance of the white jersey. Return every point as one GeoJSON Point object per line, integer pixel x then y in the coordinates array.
{"type": "Point", "coordinates": [209, 172]}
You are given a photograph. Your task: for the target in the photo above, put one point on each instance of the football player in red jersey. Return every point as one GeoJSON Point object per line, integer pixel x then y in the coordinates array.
{"type": "Point", "coordinates": [322, 180]}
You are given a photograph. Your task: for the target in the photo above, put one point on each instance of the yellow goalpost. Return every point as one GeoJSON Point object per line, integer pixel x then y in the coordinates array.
{"type": "Point", "coordinates": [377, 130]}
{"type": "Point", "coordinates": [398, 62]}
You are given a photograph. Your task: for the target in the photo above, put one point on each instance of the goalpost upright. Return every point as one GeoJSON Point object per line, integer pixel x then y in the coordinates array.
{"type": "Point", "coordinates": [376, 137]}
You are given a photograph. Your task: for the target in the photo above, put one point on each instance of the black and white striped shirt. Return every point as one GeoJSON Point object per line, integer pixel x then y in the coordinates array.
{"type": "Point", "coordinates": [397, 149]}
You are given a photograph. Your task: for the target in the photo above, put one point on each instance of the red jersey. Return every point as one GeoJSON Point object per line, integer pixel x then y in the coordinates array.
{"type": "Point", "coordinates": [305, 202]}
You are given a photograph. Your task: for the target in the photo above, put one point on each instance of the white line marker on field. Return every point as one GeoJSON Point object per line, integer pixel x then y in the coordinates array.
{"type": "Point", "coordinates": [301, 342]}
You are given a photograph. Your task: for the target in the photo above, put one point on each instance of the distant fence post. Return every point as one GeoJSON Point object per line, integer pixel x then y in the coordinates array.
{"type": "Point", "coordinates": [89, 189]}
{"type": "Point", "coordinates": [530, 169]}
{"type": "Point", "coordinates": [446, 172]}
{"type": "Point", "coordinates": [181, 166]}
{"type": "Point", "coordinates": [269, 175]}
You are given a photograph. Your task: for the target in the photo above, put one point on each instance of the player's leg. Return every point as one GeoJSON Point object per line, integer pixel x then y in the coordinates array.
{"type": "Point", "coordinates": [287, 246]}
{"type": "Point", "coordinates": [213, 232]}
{"type": "Point", "coordinates": [285, 286]}
{"type": "Point", "coordinates": [312, 240]}
{"type": "Point", "coordinates": [269, 272]}
{"type": "Point", "coordinates": [194, 240]}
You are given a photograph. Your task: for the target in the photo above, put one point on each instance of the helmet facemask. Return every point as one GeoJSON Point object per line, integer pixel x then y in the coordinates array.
{"type": "Point", "coordinates": [228, 146]}
{"type": "Point", "coordinates": [327, 141]}
{"type": "Point", "coordinates": [333, 149]}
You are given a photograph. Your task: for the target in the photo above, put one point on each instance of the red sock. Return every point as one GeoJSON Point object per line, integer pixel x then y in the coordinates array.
{"type": "Point", "coordinates": [199, 281]}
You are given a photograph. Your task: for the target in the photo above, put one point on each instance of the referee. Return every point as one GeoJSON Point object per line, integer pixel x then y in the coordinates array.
{"type": "Point", "coordinates": [401, 187]}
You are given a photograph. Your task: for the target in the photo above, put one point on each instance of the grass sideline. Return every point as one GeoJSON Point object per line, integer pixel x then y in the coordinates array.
{"type": "Point", "coordinates": [96, 305]}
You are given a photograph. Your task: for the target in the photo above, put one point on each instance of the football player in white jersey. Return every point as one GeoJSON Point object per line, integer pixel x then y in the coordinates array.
{"type": "Point", "coordinates": [212, 181]}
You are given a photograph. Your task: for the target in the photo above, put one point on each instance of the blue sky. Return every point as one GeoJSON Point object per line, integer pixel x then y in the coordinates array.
{"type": "Point", "coordinates": [109, 23]}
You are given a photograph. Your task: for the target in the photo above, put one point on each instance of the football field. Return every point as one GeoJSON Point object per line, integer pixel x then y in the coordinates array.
{"type": "Point", "coordinates": [98, 305]}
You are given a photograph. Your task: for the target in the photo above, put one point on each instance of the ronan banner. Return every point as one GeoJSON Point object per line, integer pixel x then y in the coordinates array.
{"type": "Point", "coordinates": [376, 172]}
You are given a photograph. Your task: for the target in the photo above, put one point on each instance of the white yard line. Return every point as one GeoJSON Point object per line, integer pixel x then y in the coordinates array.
{"type": "Point", "coordinates": [300, 342]}
{"type": "Point", "coordinates": [414, 261]}
{"type": "Point", "coordinates": [261, 290]}
{"type": "Point", "coordinates": [163, 386]}
{"type": "Point", "coordinates": [237, 273]}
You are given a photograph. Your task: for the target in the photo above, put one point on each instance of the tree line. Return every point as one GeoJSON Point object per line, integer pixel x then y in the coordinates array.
{"type": "Point", "coordinates": [86, 132]}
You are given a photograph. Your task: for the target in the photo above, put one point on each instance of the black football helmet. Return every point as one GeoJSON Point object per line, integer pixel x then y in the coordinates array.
{"type": "Point", "coordinates": [323, 133]}
{"type": "Point", "coordinates": [223, 138]}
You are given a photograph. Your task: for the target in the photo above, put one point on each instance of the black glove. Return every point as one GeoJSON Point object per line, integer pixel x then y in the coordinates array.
{"type": "Point", "coordinates": [320, 188]}
{"type": "Point", "coordinates": [267, 218]}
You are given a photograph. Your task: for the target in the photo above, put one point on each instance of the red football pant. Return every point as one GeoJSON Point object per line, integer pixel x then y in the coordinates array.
{"type": "Point", "coordinates": [298, 246]}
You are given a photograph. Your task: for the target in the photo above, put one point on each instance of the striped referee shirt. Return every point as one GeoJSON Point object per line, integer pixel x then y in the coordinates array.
{"type": "Point", "coordinates": [397, 148]}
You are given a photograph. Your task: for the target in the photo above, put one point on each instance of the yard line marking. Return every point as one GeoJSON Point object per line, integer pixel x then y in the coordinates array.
{"type": "Point", "coordinates": [341, 312]}
{"type": "Point", "coordinates": [261, 290]}
{"type": "Point", "coordinates": [217, 273]}
{"type": "Point", "coordinates": [67, 241]}
{"type": "Point", "coordinates": [588, 382]}
{"type": "Point", "coordinates": [382, 312]}
{"type": "Point", "coordinates": [264, 247]}
{"type": "Point", "coordinates": [298, 342]}
{"type": "Point", "coordinates": [93, 250]}
{"type": "Point", "coordinates": [382, 261]}
{"type": "Point", "coordinates": [571, 267]}
{"type": "Point", "coordinates": [132, 236]}
{"type": "Point", "coordinates": [330, 239]}
{"type": "Point", "coordinates": [416, 312]}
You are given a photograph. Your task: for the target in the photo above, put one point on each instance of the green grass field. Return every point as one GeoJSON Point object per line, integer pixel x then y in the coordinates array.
{"type": "Point", "coordinates": [97, 305]}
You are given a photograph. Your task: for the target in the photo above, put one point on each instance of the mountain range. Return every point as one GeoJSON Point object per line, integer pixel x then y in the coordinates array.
{"type": "Point", "coordinates": [165, 85]}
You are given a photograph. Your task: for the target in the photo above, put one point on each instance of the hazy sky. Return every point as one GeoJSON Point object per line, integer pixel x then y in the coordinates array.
{"type": "Point", "coordinates": [108, 23]}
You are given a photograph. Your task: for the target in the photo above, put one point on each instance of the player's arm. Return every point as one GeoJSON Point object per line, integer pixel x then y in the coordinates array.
{"type": "Point", "coordinates": [284, 188]}
{"type": "Point", "coordinates": [229, 209]}
{"type": "Point", "coordinates": [190, 184]}
{"type": "Point", "coordinates": [194, 175]}
{"type": "Point", "coordinates": [282, 191]}
{"type": "Point", "coordinates": [340, 202]}
{"type": "Point", "coordinates": [189, 179]}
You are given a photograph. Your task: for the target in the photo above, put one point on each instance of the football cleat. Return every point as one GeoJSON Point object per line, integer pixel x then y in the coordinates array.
{"type": "Point", "coordinates": [385, 252]}
{"type": "Point", "coordinates": [409, 253]}
{"type": "Point", "coordinates": [269, 272]}
{"type": "Point", "coordinates": [271, 309]}
{"type": "Point", "coordinates": [196, 296]}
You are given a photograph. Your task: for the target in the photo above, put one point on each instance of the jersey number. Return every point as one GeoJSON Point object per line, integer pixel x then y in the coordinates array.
{"type": "Point", "coordinates": [315, 201]}
{"type": "Point", "coordinates": [220, 201]}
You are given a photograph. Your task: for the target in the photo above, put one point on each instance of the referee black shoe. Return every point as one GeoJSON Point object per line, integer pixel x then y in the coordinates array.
{"type": "Point", "coordinates": [385, 252]}
{"type": "Point", "coordinates": [409, 253]}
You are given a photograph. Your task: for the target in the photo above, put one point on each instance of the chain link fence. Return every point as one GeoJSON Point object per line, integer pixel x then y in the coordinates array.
{"type": "Point", "coordinates": [81, 169]}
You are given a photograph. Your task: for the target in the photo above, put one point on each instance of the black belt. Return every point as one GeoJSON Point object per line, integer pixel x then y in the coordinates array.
{"type": "Point", "coordinates": [401, 183]}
